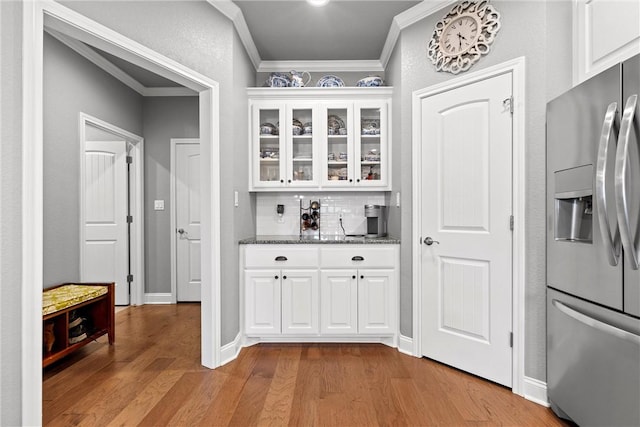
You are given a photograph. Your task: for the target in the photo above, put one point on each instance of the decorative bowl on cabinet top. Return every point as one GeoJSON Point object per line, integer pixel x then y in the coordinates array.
{"type": "Point", "coordinates": [370, 81]}
{"type": "Point", "coordinates": [330, 81]}
{"type": "Point", "coordinates": [278, 80]}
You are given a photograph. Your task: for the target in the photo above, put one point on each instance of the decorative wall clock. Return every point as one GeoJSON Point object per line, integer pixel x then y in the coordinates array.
{"type": "Point", "coordinates": [463, 36]}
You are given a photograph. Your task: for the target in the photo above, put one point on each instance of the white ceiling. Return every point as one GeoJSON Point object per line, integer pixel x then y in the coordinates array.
{"type": "Point", "coordinates": [343, 30]}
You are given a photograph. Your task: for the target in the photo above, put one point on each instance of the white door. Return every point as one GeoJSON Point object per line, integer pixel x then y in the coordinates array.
{"type": "Point", "coordinates": [466, 206]}
{"type": "Point", "coordinates": [376, 302]}
{"type": "Point", "coordinates": [105, 252]}
{"type": "Point", "coordinates": [187, 206]}
{"type": "Point", "coordinates": [300, 302]}
{"type": "Point", "coordinates": [262, 302]}
{"type": "Point", "coordinates": [339, 302]}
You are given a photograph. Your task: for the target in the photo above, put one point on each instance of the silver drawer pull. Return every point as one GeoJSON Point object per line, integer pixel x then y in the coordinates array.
{"type": "Point", "coordinates": [281, 258]}
{"type": "Point", "coordinates": [596, 324]}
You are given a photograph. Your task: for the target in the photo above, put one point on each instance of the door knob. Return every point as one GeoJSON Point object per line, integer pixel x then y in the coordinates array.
{"type": "Point", "coordinates": [429, 241]}
{"type": "Point", "coordinates": [181, 231]}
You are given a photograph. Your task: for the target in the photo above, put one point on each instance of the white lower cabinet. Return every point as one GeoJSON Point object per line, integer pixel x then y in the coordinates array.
{"type": "Point", "coordinates": [262, 301]}
{"type": "Point", "coordinates": [331, 291]}
{"type": "Point", "coordinates": [339, 302]}
{"type": "Point", "coordinates": [281, 301]}
{"type": "Point", "coordinates": [300, 302]}
{"type": "Point", "coordinates": [376, 301]}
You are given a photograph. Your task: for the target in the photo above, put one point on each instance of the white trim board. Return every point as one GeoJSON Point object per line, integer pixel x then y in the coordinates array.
{"type": "Point", "coordinates": [535, 391]}
{"type": "Point", "coordinates": [52, 15]}
{"type": "Point", "coordinates": [158, 298]}
{"type": "Point", "coordinates": [136, 186]}
{"type": "Point", "coordinates": [517, 68]}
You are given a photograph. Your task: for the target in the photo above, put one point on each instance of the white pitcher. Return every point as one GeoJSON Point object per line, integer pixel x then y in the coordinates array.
{"type": "Point", "coordinates": [298, 78]}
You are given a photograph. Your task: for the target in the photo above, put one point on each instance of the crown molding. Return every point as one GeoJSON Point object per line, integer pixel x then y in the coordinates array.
{"type": "Point", "coordinates": [400, 22]}
{"type": "Point", "coordinates": [406, 19]}
{"type": "Point", "coordinates": [169, 91]}
{"type": "Point", "coordinates": [233, 12]}
{"type": "Point", "coordinates": [320, 66]}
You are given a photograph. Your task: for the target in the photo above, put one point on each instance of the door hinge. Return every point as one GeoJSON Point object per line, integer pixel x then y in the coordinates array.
{"type": "Point", "coordinates": [511, 222]}
{"type": "Point", "coordinates": [508, 103]}
{"type": "Point", "coordinates": [129, 159]}
{"type": "Point", "coordinates": [511, 339]}
{"type": "Point", "coordinates": [129, 278]}
{"type": "Point", "coordinates": [129, 219]}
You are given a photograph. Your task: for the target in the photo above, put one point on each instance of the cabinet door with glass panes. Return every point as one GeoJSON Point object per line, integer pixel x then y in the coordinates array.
{"type": "Point", "coordinates": [338, 142]}
{"type": "Point", "coordinates": [268, 145]}
{"type": "Point", "coordinates": [301, 147]}
{"type": "Point", "coordinates": [371, 153]}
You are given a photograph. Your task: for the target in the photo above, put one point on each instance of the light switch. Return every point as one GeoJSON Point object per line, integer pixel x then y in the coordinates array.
{"type": "Point", "coordinates": [398, 199]}
{"type": "Point", "coordinates": [158, 205]}
{"type": "Point", "coordinates": [235, 199]}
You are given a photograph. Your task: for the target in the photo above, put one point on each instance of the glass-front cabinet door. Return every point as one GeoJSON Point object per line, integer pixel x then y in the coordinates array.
{"type": "Point", "coordinates": [268, 145]}
{"type": "Point", "coordinates": [337, 123]}
{"type": "Point", "coordinates": [371, 144]}
{"type": "Point", "coordinates": [301, 136]}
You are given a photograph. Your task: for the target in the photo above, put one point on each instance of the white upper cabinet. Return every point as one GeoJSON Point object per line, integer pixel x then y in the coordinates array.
{"type": "Point", "coordinates": [605, 32]}
{"type": "Point", "coordinates": [320, 139]}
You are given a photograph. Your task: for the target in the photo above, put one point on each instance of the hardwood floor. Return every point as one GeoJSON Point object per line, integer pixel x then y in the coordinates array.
{"type": "Point", "coordinates": [152, 377]}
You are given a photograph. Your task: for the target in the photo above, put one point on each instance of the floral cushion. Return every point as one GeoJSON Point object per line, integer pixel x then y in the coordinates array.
{"type": "Point", "coordinates": [57, 299]}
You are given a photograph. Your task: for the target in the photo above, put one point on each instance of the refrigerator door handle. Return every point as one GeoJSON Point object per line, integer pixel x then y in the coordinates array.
{"type": "Point", "coordinates": [596, 324]}
{"type": "Point", "coordinates": [611, 243]}
{"type": "Point", "coordinates": [622, 162]}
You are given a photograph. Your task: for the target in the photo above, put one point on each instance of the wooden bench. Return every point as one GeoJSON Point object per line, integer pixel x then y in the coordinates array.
{"type": "Point", "coordinates": [92, 303]}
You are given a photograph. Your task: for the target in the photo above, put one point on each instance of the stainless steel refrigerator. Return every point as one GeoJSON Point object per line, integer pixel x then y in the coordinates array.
{"type": "Point", "coordinates": [593, 241]}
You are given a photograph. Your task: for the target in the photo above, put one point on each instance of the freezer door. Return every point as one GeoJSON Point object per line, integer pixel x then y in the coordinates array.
{"type": "Point", "coordinates": [631, 190]}
{"type": "Point", "coordinates": [593, 362]}
{"type": "Point", "coordinates": [577, 255]}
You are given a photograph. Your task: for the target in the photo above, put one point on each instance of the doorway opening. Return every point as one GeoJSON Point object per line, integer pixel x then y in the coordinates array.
{"type": "Point", "coordinates": [51, 15]}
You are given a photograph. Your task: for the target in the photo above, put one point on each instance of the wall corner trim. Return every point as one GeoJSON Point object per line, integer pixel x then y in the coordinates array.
{"type": "Point", "coordinates": [405, 346]}
{"type": "Point", "coordinates": [229, 352]}
{"type": "Point", "coordinates": [536, 391]}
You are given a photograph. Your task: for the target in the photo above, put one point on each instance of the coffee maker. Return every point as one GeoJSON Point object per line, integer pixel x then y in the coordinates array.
{"type": "Point", "coordinates": [376, 220]}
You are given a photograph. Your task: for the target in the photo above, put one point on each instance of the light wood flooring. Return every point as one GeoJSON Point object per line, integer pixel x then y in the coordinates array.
{"type": "Point", "coordinates": [152, 376]}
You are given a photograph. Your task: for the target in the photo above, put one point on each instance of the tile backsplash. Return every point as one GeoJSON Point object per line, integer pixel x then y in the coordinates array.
{"type": "Point", "coordinates": [349, 204]}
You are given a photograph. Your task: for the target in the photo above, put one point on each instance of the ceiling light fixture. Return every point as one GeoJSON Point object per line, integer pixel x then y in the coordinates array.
{"type": "Point", "coordinates": [318, 3]}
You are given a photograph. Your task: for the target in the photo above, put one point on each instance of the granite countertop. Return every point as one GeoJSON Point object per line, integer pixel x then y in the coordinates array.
{"type": "Point", "coordinates": [277, 240]}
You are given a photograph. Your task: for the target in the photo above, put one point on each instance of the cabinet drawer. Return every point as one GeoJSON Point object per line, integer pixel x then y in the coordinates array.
{"type": "Point", "coordinates": [333, 257]}
{"type": "Point", "coordinates": [294, 256]}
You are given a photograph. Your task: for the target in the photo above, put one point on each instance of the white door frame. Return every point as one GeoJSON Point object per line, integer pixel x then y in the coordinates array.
{"type": "Point", "coordinates": [517, 68]}
{"type": "Point", "coordinates": [136, 198]}
{"type": "Point", "coordinates": [75, 25]}
{"type": "Point", "coordinates": [173, 214]}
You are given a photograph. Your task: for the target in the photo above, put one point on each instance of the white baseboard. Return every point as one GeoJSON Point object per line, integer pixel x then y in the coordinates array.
{"type": "Point", "coordinates": [158, 298]}
{"type": "Point", "coordinates": [405, 345]}
{"type": "Point", "coordinates": [536, 391]}
{"type": "Point", "coordinates": [229, 352]}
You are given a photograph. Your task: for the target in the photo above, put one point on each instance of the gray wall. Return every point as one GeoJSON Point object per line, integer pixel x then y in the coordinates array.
{"type": "Point", "coordinates": [196, 35]}
{"type": "Point", "coordinates": [163, 118]}
{"type": "Point", "coordinates": [10, 212]}
{"type": "Point", "coordinates": [73, 85]}
{"type": "Point", "coordinates": [524, 25]}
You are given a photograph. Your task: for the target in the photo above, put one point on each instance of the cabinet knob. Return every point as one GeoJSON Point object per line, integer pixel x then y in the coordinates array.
{"type": "Point", "coordinates": [284, 277]}
{"type": "Point", "coordinates": [289, 181]}
{"type": "Point", "coordinates": [350, 180]}
{"type": "Point", "coordinates": [358, 180]}
{"type": "Point", "coordinates": [362, 277]}
{"type": "Point", "coordinates": [276, 277]}
{"type": "Point", "coordinates": [353, 277]}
